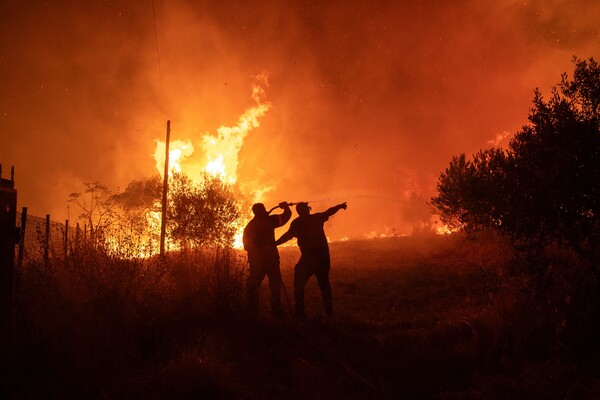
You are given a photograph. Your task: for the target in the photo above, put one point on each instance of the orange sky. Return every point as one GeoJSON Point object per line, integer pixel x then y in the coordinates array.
{"type": "Point", "coordinates": [369, 100]}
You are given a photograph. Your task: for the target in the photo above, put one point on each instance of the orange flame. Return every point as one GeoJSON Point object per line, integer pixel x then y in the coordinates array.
{"type": "Point", "coordinates": [179, 150]}
{"type": "Point", "coordinates": [221, 150]}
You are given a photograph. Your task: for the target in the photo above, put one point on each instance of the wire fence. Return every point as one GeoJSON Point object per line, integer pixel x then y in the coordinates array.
{"type": "Point", "coordinates": [46, 240]}
{"type": "Point", "coordinates": [40, 238]}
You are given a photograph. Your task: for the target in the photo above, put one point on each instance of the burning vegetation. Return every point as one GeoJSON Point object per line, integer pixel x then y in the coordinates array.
{"type": "Point", "coordinates": [506, 306]}
{"type": "Point", "coordinates": [205, 204]}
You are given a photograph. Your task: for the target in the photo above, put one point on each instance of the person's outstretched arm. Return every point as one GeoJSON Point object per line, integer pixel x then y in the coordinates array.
{"type": "Point", "coordinates": [284, 238]}
{"type": "Point", "coordinates": [330, 211]}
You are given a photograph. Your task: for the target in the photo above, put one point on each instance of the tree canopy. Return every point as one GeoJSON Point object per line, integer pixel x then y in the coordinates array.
{"type": "Point", "coordinates": [205, 213]}
{"type": "Point", "coordinates": [546, 186]}
{"type": "Point", "coordinates": [202, 214]}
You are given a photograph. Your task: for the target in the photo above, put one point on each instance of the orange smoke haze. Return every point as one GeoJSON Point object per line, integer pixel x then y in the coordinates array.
{"type": "Point", "coordinates": [367, 101]}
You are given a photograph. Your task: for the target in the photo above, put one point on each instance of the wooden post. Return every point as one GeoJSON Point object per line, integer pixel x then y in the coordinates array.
{"type": "Point", "coordinates": [77, 236]}
{"type": "Point", "coordinates": [22, 238]}
{"type": "Point", "coordinates": [47, 242]}
{"type": "Point", "coordinates": [66, 239]}
{"type": "Point", "coordinates": [163, 220]}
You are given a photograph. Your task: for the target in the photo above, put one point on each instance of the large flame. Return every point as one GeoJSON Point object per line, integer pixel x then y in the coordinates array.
{"type": "Point", "coordinates": [221, 150]}
{"type": "Point", "coordinates": [179, 150]}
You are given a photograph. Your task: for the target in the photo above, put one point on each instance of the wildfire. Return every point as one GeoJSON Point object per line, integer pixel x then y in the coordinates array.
{"type": "Point", "coordinates": [179, 150]}
{"type": "Point", "coordinates": [440, 227]}
{"type": "Point", "coordinates": [220, 150]}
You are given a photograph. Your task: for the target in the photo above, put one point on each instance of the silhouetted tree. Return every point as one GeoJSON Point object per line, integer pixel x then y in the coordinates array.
{"type": "Point", "coordinates": [141, 194]}
{"type": "Point", "coordinates": [138, 198]}
{"type": "Point", "coordinates": [469, 192]}
{"type": "Point", "coordinates": [97, 210]}
{"type": "Point", "coordinates": [546, 186]}
{"type": "Point", "coordinates": [205, 213]}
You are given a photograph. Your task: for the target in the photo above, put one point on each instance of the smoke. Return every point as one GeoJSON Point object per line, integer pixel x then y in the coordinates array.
{"type": "Point", "coordinates": [369, 100]}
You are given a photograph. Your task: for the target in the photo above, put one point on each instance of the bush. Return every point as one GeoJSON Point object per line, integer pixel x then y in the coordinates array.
{"type": "Point", "coordinates": [546, 187]}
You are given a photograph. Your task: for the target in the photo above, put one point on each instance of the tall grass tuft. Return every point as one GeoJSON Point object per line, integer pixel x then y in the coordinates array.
{"type": "Point", "coordinates": [92, 324]}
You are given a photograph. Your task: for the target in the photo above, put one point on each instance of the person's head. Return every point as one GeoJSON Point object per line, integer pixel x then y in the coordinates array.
{"type": "Point", "coordinates": [303, 209]}
{"type": "Point", "coordinates": [259, 210]}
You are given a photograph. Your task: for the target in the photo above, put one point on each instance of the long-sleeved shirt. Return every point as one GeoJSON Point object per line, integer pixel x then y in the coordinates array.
{"type": "Point", "coordinates": [259, 235]}
{"type": "Point", "coordinates": [308, 229]}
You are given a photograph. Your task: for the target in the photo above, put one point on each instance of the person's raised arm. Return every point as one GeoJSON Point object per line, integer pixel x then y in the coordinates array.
{"type": "Point", "coordinates": [285, 216]}
{"type": "Point", "coordinates": [330, 211]}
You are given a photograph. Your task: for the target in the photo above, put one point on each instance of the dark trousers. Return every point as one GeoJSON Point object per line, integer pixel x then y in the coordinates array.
{"type": "Point", "coordinates": [315, 262]}
{"type": "Point", "coordinates": [258, 271]}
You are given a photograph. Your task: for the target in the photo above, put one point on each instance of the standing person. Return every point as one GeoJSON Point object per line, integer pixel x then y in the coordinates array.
{"type": "Point", "coordinates": [263, 256]}
{"type": "Point", "coordinates": [314, 258]}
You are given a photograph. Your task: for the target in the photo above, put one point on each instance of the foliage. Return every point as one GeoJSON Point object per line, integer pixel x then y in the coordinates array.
{"type": "Point", "coordinates": [139, 198]}
{"type": "Point", "coordinates": [202, 214]}
{"type": "Point", "coordinates": [469, 191]}
{"type": "Point", "coordinates": [141, 194]}
{"type": "Point", "coordinates": [546, 186]}
{"type": "Point", "coordinates": [198, 214]}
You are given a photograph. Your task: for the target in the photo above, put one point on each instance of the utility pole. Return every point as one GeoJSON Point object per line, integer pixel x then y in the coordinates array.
{"type": "Point", "coordinates": [163, 220]}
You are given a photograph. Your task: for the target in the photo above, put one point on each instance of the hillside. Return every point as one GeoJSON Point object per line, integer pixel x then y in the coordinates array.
{"type": "Point", "coordinates": [414, 317]}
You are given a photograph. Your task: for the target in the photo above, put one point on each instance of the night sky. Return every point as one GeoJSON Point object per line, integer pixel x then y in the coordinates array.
{"type": "Point", "coordinates": [369, 100]}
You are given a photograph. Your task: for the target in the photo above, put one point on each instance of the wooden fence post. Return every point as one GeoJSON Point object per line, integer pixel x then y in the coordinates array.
{"type": "Point", "coordinates": [47, 243]}
{"type": "Point", "coordinates": [22, 237]}
{"type": "Point", "coordinates": [8, 237]}
{"type": "Point", "coordinates": [66, 239]}
{"type": "Point", "coordinates": [77, 236]}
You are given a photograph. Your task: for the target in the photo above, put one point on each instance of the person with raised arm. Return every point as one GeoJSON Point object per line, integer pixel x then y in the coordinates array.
{"type": "Point", "coordinates": [263, 256]}
{"type": "Point", "coordinates": [314, 250]}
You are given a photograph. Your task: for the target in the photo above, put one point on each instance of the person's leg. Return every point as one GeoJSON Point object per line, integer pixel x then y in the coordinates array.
{"type": "Point", "coordinates": [323, 280]}
{"type": "Point", "coordinates": [255, 278]}
{"type": "Point", "coordinates": [301, 276]}
{"type": "Point", "coordinates": [274, 274]}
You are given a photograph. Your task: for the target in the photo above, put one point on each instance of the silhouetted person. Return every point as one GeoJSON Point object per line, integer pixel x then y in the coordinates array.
{"type": "Point", "coordinates": [314, 259]}
{"type": "Point", "coordinates": [263, 256]}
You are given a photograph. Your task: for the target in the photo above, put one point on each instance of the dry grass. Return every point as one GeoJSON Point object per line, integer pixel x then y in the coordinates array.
{"type": "Point", "coordinates": [416, 317]}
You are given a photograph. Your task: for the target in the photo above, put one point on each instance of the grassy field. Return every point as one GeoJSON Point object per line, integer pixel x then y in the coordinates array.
{"type": "Point", "coordinates": [436, 317]}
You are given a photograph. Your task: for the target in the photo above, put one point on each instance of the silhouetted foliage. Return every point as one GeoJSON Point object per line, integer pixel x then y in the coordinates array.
{"type": "Point", "coordinates": [141, 194]}
{"type": "Point", "coordinates": [202, 214]}
{"type": "Point", "coordinates": [198, 214]}
{"type": "Point", "coordinates": [545, 187]}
